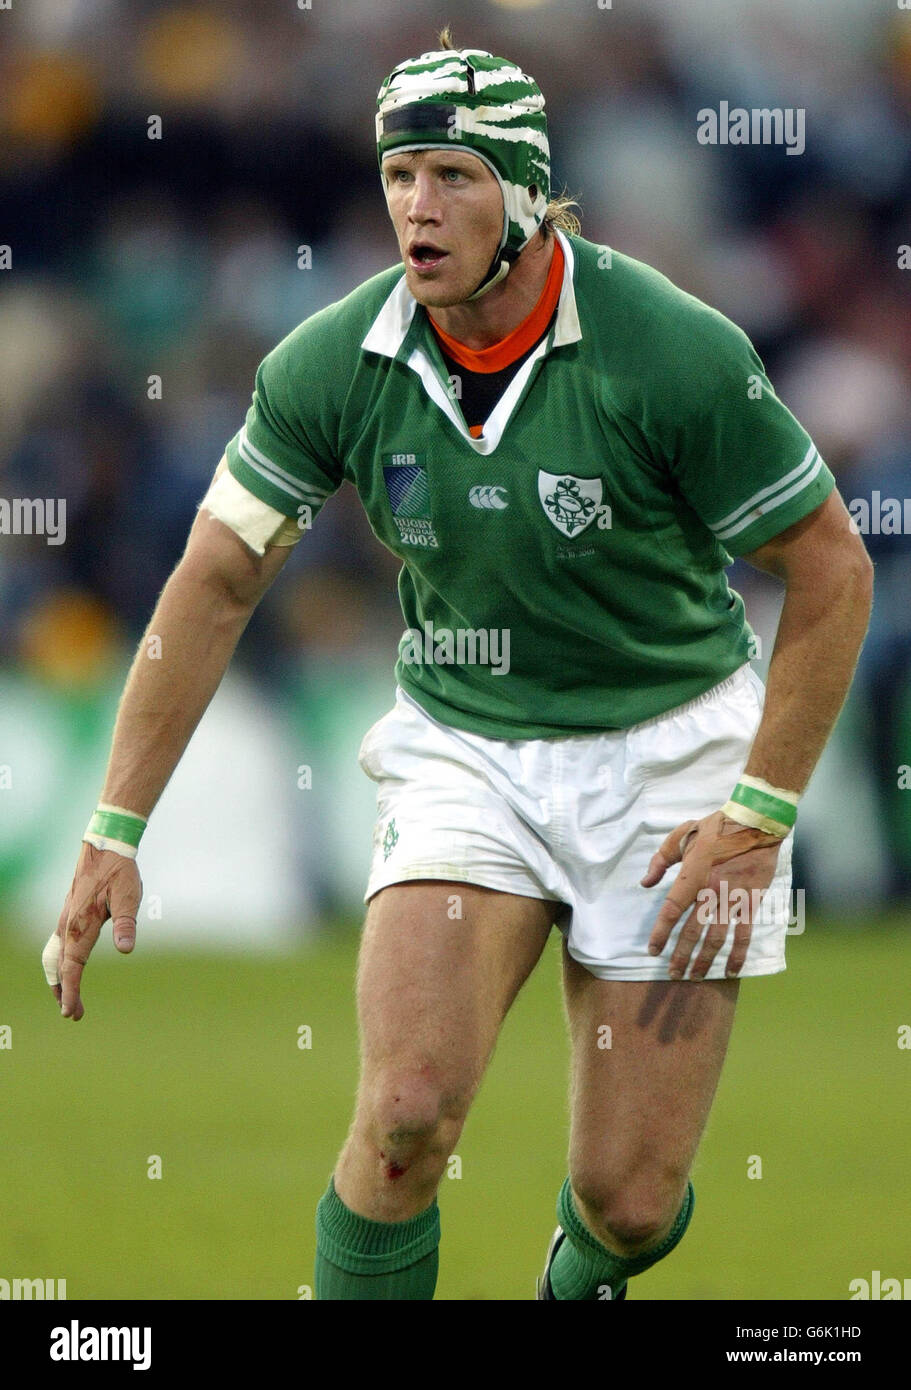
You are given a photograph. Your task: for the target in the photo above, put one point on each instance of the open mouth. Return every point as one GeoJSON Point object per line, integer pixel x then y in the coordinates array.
{"type": "Point", "coordinates": [423, 256]}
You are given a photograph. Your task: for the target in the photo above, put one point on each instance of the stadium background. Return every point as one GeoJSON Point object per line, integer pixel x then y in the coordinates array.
{"type": "Point", "coordinates": [179, 258]}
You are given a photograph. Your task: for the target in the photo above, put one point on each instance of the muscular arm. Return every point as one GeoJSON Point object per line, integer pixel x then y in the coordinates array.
{"type": "Point", "coordinates": [828, 578]}
{"type": "Point", "coordinates": [198, 620]}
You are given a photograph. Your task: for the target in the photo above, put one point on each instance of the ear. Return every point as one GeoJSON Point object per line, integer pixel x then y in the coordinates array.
{"type": "Point", "coordinates": [532, 203]}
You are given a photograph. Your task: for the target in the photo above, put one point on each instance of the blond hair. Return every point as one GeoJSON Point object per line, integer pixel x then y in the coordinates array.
{"type": "Point", "coordinates": [557, 215]}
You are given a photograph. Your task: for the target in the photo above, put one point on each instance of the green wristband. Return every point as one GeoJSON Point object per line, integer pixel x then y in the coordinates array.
{"type": "Point", "coordinates": [764, 804]}
{"type": "Point", "coordinates": [114, 828]}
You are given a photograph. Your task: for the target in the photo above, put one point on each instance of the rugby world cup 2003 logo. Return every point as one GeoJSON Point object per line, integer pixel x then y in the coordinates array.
{"type": "Point", "coordinates": [571, 503]}
{"type": "Point", "coordinates": [408, 490]}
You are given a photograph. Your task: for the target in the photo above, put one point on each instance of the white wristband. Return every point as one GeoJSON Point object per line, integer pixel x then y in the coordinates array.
{"type": "Point", "coordinates": [102, 842]}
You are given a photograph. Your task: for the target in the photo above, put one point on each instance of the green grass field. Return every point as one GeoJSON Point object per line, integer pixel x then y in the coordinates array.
{"type": "Point", "coordinates": [194, 1058]}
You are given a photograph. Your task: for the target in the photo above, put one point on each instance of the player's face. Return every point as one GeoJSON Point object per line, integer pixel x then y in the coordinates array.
{"type": "Point", "coordinates": [447, 210]}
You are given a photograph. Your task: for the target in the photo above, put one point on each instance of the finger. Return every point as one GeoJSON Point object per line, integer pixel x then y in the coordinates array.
{"type": "Point", "coordinates": [125, 933]}
{"type": "Point", "coordinates": [667, 918]}
{"type": "Point", "coordinates": [124, 894]}
{"type": "Point", "coordinates": [684, 893]}
{"type": "Point", "coordinates": [690, 935]}
{"type": "Point", "coordinates": [743, 934]}
{"type": "Point", "coordinates": [70, 978]}
{"type": "Point", "coordinates": [739, 916]}
{"type": "Point", "coordinates": [52, 955]}
{"type": "Point", "coordinates": [670, 914]}
{"type": "Point", "coordinates": [658, 867]}
{"type": "Point", "coordinates": [76, 1012]}
{"type": "Point", "coordinates": [719, 917]}
{"type": "Point", "coordinates": [670, 852]}
{"type": "Point", "coordinates": [81, 935]}
{"type": "Point", "coordinates": [50, 961]}
{"type": "Point", "coordinates": [715, 938]}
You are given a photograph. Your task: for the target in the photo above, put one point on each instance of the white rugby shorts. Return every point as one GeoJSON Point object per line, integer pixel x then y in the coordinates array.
{"type": "Point", "coordinates": [571, 820]}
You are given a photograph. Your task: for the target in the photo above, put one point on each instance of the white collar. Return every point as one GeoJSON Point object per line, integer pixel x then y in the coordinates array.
{"type": "Point", "coordinates": [390, 327]}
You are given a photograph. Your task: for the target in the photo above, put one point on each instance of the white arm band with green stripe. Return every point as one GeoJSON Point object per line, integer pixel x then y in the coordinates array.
{"type": "Point", "coordinates": [114, 828]}
{"type": "Point", "coordinates": [758, 804]}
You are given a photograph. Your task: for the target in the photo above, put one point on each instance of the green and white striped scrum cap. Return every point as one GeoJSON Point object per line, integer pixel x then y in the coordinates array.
{"type": "Point", "coordinates": [469, 100]}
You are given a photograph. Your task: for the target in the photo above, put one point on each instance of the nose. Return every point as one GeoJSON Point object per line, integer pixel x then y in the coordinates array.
{"type": "Point", "coordinates": [422, 204]}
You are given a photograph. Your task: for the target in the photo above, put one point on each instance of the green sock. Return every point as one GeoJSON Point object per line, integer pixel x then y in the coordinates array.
{"type": "Point", "coordinates": [361, 1259]}
{"type": "Point", "coordinates": [583, 1268]}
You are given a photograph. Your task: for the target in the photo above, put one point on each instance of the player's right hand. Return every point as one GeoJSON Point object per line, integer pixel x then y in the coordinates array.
{"type": "Point", "coordinates": [105, 885]}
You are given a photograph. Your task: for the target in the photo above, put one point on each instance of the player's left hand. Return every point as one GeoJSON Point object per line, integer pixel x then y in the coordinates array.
{"type": "Point", "coordinates": [713, 851]}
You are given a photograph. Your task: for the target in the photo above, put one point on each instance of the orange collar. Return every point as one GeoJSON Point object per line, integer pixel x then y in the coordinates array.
{"type": "Point", "coordinates": [518, 342]}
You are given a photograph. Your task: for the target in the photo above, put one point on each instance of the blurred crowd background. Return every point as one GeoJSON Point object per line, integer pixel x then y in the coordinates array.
{"type": "Point", "coordinates": [177, 258]}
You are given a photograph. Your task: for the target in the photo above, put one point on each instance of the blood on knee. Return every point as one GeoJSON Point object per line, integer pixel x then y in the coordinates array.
{"type": "Point", "coordinates": [393, 1170]}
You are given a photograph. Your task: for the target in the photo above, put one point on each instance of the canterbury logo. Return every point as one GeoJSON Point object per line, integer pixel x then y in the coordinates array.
{"type": "Point", "coordinates": [488, 498]}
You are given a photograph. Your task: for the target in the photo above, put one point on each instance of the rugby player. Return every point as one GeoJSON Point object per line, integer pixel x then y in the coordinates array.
{"type": "Point", "coordinates": [565, 451]}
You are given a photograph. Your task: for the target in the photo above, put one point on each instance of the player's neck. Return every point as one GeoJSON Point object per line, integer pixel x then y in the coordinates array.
{"type": "Point", "coordinates": [491, 318]}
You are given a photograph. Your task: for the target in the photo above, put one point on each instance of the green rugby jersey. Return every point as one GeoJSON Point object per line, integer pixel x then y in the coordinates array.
{"type": "Point", "coordinates": [565, 572]}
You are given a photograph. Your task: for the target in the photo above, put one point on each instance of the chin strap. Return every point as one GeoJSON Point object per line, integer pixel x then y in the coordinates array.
{"type": "Point", "coordinates": [488, 284]}
{"type": "Point", "coordinates": [499, 269]}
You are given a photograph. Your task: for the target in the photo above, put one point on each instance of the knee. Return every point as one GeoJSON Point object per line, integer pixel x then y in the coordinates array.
{"type": "Point", "coordinates": [629, 1215]}
{"type": "Point", "coordinates": [414, 1113]}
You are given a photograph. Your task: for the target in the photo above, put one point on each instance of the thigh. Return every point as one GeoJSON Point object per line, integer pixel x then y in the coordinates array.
{"type": "Point", "coordinates": [647, 1056]}
{"type": "Point", "coordinates": [440, 964]}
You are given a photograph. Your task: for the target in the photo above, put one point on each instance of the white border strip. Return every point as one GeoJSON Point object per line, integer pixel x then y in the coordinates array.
{"type": "Point", "coordinates": [304, 492]}
{"type": "Point", "coordinates": [752, 510]}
